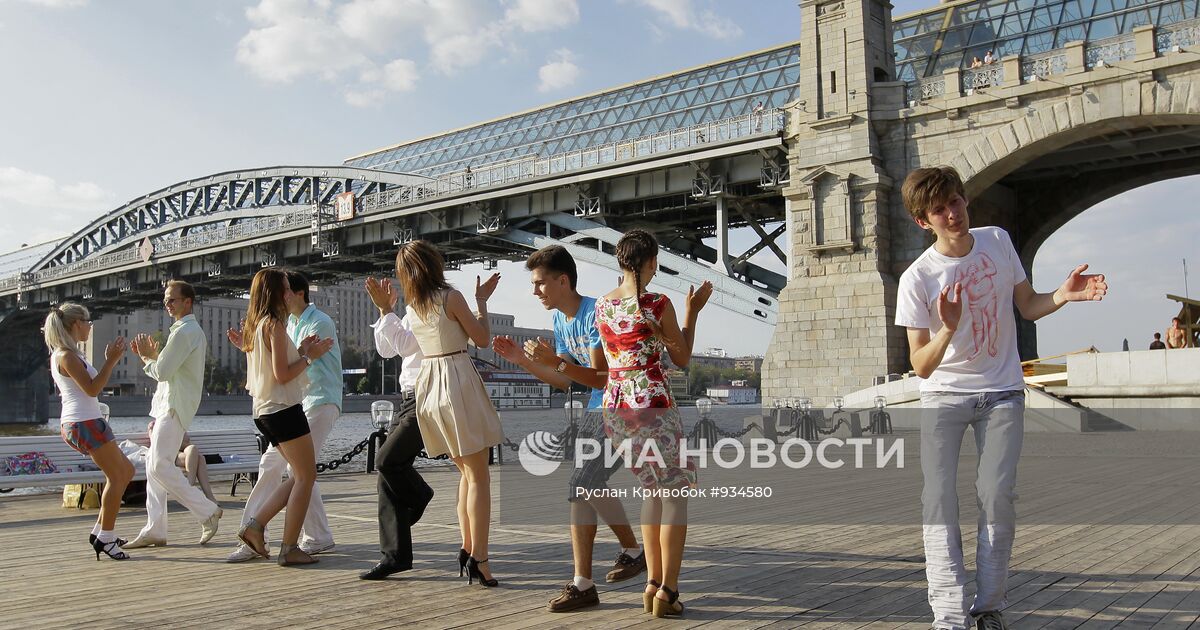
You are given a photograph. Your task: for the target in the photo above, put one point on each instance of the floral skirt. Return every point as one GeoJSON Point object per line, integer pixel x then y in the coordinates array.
{"type": "Point", "coordinates": [653, 436]}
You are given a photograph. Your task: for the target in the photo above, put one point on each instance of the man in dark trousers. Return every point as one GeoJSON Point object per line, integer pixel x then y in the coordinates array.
{"type": "Point", "coordinates": [403, 494]}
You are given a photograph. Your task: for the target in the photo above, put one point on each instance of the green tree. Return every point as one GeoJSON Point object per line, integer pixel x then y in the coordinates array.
{"type": "Point", "coordinates": [364, 385]}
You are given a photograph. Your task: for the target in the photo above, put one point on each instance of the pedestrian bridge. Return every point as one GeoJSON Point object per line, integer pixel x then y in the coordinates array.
{"type": "Point", "coordinates": [805, 144]}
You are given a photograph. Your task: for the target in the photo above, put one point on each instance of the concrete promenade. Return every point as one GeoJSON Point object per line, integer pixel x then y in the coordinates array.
{"type": "Point", "coordinates": [1109, 538]}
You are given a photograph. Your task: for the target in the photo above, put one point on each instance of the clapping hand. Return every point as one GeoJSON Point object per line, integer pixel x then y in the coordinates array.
{"type": "Point", "coordinates": [235, 335]}
{"type": "Point", "coordinates": [950, 310]}
{"type": "Point", "coordinates": [314, 347]}
{"type": "Point", "coordinates": [542, 352]}
{"type": "Point", "coordinates": [383, 295]}
{"type": "Point", "coordinates": [507, 348]}
{"type": "Point", "coordinates": [484, 290]}
{"type": "Point", "coordinates": [114, 349]}
{"type": "Point", "coordinates": [1081, 287]}
{"type": "Point", "coordinates": [144, 346]}
{"type": "Point", "coordinates": [697, 298]}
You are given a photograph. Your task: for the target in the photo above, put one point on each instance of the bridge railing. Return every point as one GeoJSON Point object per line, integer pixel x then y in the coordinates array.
{"type": "Point", "coordinates": [1144, 42]}
{"type": "Point", "coordinates": [761, 123]}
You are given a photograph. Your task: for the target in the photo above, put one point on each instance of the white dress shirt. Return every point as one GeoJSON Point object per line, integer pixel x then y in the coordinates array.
{"type": "Point", "coordinates": [393, 336]}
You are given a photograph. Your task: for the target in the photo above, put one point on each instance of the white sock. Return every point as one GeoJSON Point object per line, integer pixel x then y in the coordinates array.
{"type": "Point", "coordinates": [633, 552]}
{"type": "Point", "coordinates": [96, 528]}
{"type": "Point", "coordinates": [106, 536]}
{"type": "Point", "coordinates": [583, 583]}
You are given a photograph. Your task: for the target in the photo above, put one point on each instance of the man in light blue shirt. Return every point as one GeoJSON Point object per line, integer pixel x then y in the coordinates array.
{"type": "Point", "coordinates": [179, 370]}
{"type": "Point", "coordinates": [322, 406]}
{"type": "Point", "coordinates": [581, 360]}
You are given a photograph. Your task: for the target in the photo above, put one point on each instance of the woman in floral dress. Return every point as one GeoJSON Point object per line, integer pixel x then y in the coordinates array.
{"type": "Point", "coordinates": [635, 327]}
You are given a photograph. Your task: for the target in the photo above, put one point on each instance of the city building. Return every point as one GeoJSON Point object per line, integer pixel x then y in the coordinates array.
{"type": "Point", "coordinates": [730, 395]}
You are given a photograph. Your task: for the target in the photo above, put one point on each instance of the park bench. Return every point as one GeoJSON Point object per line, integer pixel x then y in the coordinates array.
{"type": "Point", "coordinates": [239, 451]}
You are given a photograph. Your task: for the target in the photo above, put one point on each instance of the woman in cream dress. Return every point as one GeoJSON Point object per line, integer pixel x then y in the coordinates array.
{"type": "Point", "coordinates": [454, 412]}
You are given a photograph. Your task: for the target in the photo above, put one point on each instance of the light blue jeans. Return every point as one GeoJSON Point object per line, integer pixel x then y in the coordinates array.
{"type": "Point", "coordinates": [998, 422]}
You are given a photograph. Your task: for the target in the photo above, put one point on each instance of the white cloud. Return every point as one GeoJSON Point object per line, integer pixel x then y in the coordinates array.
{"type": "Point", "coordinates": [685, 15]}
{"type": "Point", "coordinates": [61, 209]}
{"type": "Point", "coordinates": [366, 46]}
{"type": "Point", "coordinates": [400, 75]}
{"type": "Point", "coordinates": [293, 40]}
{"type": "Point", "coordinates": [33, 189]}
{"type": "Point", "coordinates": [534, 16]}
{"type": "Point", "coordinates": [58, 4]}
{"type": "Point", "coordinates": [559, 72]}
{"type": "Point", "coordinates": [376, 23]}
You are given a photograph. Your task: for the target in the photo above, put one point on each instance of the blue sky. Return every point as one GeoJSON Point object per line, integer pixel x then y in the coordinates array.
{"type": "Point", "coordinates": [107, 101]}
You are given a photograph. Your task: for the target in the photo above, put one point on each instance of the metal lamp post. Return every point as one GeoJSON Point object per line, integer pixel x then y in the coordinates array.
{"type": "Point", "coordinates": [382, 412]}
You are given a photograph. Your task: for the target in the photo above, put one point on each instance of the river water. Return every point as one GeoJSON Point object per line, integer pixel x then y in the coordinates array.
{"type": "Point", "coordinates": [351, 429]}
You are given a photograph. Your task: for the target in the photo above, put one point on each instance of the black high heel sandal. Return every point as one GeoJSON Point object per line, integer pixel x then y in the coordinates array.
{"type": "Point", "coordinates": [462, 561]}
{"type": "Point", "coordinates": [474, 572]}
{"type": "Point", "coordinates": [110, 549]}
{"type": "Point", "coordinates": [671, 606]}
{"type": "Point", "coordinates": [120, 541]}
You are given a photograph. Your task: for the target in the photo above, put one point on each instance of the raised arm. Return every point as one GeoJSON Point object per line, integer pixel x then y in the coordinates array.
{"type": "Point", "coordinates": [678, 346]}
{"type": "Point", "coordinates": [695, 301]}
{"type": "Point", "coordinates": [1078, 287]}
{"type": "Point", "coordinates": [925, 351]}
{"type": "Point", "coordinates": [475, 324]}
{"type": "Point", "coordinates": [73, 366]}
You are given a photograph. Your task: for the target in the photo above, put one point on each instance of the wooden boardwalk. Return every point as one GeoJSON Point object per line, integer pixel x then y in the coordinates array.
{"type": "Point", "coordinates": [1109, 538]}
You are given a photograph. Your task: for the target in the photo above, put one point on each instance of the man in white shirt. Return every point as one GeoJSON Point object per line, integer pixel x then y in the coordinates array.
{"type": "Point", "coordinates": [403, 494]}
{"type": "Point", "coordinates": [972, 377]}
{"type": "Point", "coordinates": [179, 370]}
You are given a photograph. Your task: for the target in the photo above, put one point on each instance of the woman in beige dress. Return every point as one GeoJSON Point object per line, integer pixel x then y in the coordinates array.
{"type": "Point", "coordinates": [454, 412]}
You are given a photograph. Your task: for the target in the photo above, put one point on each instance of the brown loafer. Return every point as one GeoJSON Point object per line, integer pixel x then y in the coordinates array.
{"type": "Point", "coordinates": [571, 598]}
{"type": "Point", "coordinates": [626, 567]}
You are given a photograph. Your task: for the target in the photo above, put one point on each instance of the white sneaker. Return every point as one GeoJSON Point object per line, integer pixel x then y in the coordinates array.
{"type": "Point", "coordinates": [243, 553]}
{"type": "Point", "coordinates": [312, 547]}
{"type": "Point", "coordinates": [208, 528]}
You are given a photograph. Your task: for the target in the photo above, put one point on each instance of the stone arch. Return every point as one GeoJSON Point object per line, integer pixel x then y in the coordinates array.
{"type": "Point", "coordinates": [1053, 126]}
{"type": "Point", "coordinates": [1025, 177]}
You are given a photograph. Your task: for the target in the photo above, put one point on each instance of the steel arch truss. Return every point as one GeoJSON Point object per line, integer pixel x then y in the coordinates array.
{"type": "Point", "coordinates": [225, 196]}
{"type": "Point", "coordinates": [760, 304]}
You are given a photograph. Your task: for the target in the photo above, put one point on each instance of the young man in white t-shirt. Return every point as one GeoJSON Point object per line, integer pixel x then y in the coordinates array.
{"type": "Point", "coordinates": [956, 301]}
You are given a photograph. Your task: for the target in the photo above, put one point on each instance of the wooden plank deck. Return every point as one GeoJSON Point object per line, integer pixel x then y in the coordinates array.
{"type": "Point", "coordinates": [1112, 542]}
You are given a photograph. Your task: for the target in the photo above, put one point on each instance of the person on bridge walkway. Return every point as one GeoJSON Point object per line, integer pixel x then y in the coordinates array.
{"type": "Point", "coordinates": [635, 328]}
{"type": "Point", "coordinates": [454, 411]}
{"type": "Point", "coordinates": [972, 378]}
{"type": "Point", "coordinates": [403, 493]}
{"type": "Point", "coordinates": [1176, 335]}
{"type": "Point", "coordinates": [322, 407]}
{"type": "Point", "coordinates": [577, 356]}
{"type": "Point", "coordinates": [82, 423]}
{"type": "Point", "coordinates": [277, 376]}
{"type": "Point", "coordinates": [178, 367]}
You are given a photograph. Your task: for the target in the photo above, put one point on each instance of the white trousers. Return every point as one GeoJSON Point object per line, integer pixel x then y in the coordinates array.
{"type": "Point", "coordinates": [164, 478]}
{"type": "Point", "coordinates": [272, 467]}
{"type": "Point", "coordinates": [997, 420]}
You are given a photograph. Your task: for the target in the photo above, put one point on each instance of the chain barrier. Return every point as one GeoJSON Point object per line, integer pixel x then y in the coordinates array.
{"type": "Point", "coordinates": [705, 428]}
{"type": "Point", "coordinates": [344, 459]}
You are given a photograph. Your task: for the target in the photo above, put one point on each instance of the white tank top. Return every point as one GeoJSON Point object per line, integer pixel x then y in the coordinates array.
{"type": "Point", "coordinates": [76, 404]}
{"type": "Point", "coordinates": [269, 394]}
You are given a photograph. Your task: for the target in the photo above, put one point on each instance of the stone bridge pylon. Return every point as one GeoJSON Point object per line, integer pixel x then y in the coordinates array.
{"type": "Point", "coordinates": [1037, 138]}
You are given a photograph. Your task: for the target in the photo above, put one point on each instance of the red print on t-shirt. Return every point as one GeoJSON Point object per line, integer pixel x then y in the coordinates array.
{"type": "Point", "coordinates": [976, 278]}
